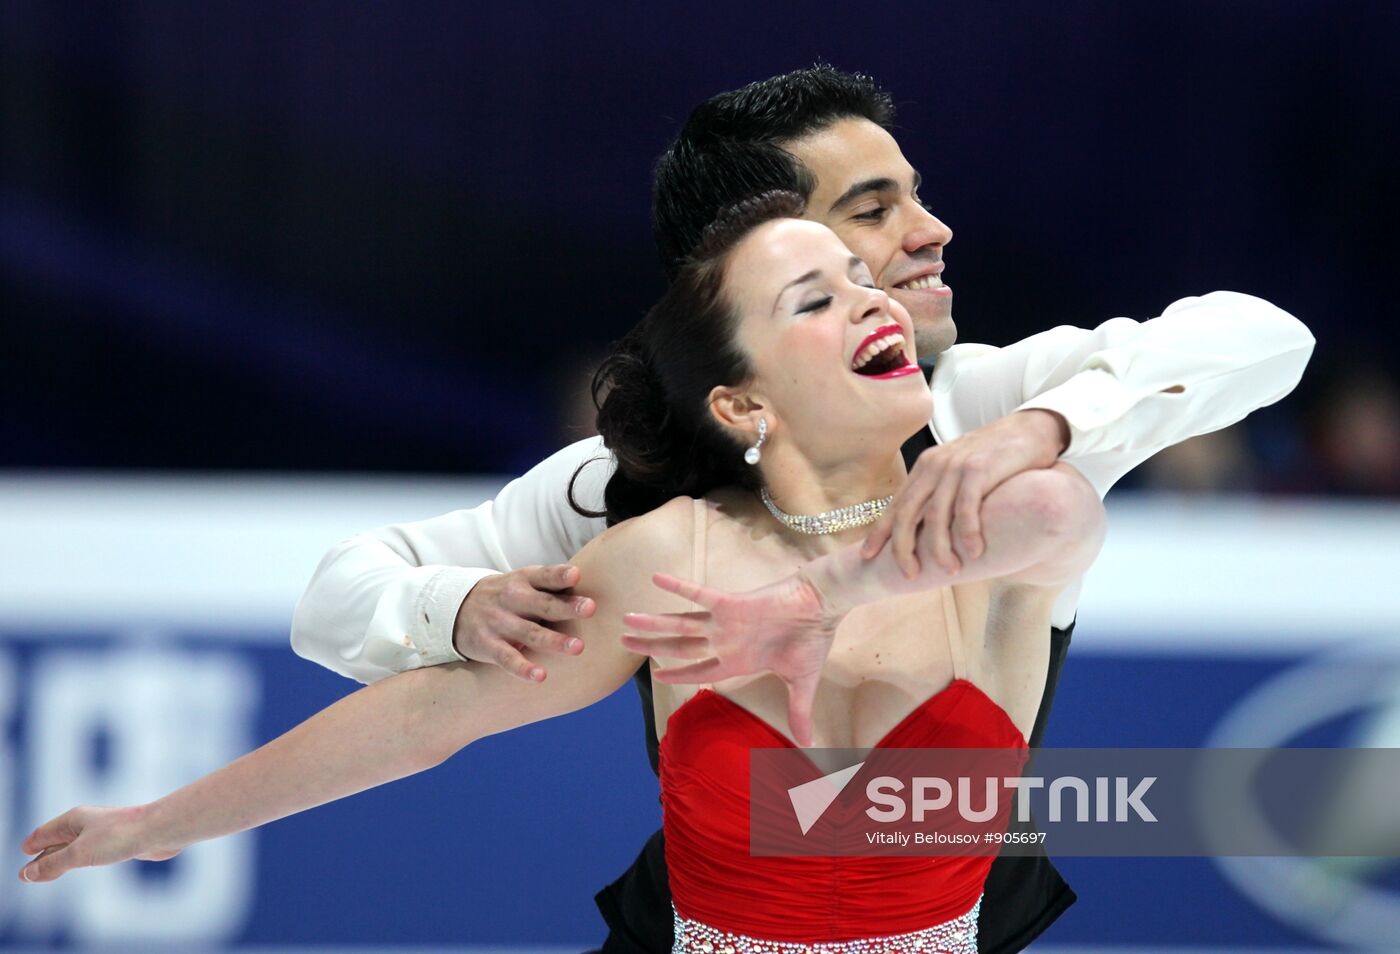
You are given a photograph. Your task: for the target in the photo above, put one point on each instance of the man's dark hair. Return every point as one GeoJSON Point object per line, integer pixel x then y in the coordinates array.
{"type": "Point", "coordinates": [731, 148]}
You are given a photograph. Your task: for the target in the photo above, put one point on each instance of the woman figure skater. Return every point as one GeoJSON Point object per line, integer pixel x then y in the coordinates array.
{"type": "Point", "coordinates": [756, 415]}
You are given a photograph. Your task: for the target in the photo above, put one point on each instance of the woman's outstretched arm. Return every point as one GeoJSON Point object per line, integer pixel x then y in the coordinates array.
{"type": "Point", "coordinates": [1042, 527]}
{"type": "Point", "coordinates": [394, 728]}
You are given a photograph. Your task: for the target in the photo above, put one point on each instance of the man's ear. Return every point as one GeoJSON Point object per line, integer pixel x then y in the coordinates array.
{"type": "Point", "coordinates": [738, 410]}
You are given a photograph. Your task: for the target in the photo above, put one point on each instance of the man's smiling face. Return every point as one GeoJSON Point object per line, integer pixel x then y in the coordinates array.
{"type": "Point", "coordinates": [868, 194]}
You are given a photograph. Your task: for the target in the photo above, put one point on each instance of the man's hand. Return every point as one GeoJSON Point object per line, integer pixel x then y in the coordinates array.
{"type": "Point", "coordinates": [946, 488]}
{"type": "Point", "coordinates": [86, 836]}
{"type": "Point", "coordinates": [783, 628]}
{"type": "Point", "coordinates": [503, 614]}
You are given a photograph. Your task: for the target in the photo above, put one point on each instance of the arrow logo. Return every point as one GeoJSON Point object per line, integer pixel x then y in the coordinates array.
{"type": "Point", "coordinates": [811, 799]}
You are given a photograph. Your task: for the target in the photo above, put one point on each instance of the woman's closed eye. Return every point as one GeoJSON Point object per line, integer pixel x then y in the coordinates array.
{"type": "Point", "coordinates": [816, 305]}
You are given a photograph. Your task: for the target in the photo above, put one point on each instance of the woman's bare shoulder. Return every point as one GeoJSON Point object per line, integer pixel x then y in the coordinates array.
{"type": "Point", "coordinates": [659, 541]}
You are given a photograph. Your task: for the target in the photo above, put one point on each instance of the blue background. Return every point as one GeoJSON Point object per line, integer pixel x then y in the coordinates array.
{"type": "Point", "coordinates": [506, 843]}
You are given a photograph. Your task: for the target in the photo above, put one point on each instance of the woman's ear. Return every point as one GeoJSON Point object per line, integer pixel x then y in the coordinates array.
{"type": "Point", "coordinates": [738, 410]}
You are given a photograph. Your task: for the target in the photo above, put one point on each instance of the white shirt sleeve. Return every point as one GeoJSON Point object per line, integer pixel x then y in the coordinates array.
{"type": "Point", "coordinates": [1229, 353]}
{"type": "Point", "coordinates": [386, 601]}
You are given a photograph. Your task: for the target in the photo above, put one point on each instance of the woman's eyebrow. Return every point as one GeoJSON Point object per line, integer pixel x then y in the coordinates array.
{"type": "Point", "coordinates": [852, 263]}
{"type": "Point", "coordinates": [814, 273]}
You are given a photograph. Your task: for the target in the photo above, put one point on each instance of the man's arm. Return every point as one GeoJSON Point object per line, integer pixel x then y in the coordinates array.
{"type": "Point", "coordinates": [1129, 388]}
{"type": "Point", "coordinates": [1124, 391]}
{"type": "Point", "coordinates": [393, 599]}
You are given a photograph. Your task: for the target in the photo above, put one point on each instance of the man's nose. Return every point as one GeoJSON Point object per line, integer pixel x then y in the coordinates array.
{"type": "Point", "coordinates": [926, 229]}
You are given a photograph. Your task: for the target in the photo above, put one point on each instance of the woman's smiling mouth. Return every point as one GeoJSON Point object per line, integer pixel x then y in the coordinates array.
{"type": "Point", "coordinates": [881, 355]}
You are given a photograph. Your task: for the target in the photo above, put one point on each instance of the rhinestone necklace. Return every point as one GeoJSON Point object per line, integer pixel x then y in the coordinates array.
{"type": "Point", "coordinates": [833, 521]}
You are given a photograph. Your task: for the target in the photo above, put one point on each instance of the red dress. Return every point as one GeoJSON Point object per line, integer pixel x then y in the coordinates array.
{"type": "Point", "coordinates": [718, 885]}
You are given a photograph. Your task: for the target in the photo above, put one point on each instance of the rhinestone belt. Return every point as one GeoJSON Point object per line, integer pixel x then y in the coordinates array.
{"type": "Point", "coordinates": [958, 936]}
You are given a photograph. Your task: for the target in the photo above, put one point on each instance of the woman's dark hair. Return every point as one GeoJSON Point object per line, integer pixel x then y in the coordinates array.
{"type": "Point", "coordinates": [652, 392]}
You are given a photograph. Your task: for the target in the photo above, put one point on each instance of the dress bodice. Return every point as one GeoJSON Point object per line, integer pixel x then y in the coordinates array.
{"type": "Point", "coordinates": [705, 768]}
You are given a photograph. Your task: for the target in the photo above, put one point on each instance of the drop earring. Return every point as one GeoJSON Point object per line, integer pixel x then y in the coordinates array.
{"type": "Point", "coordinates": [753, 454]}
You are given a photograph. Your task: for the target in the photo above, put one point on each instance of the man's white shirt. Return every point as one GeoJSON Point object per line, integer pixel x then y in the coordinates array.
{"type": "Point", "coordinates": [386, 600]}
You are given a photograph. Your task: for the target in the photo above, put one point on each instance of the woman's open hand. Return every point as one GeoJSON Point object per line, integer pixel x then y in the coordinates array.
{"type": "Point", "coordinates": [784, 628]}
{"type": "Point", "coordinates": [88, 836]}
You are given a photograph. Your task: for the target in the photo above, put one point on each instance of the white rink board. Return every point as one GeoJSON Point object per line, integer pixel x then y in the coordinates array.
{"type": "Point", "coordinates": [1276, 575]}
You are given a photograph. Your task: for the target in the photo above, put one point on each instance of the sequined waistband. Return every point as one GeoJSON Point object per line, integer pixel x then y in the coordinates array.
{"type": "Point", "coordinates": [958, 936]}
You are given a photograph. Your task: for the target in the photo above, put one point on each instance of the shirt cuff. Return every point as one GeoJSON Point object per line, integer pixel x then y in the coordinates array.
{"type": "Point", "coordinates": [1089, 402]}
{"type": "Point", "coordinates": [436, 613]}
